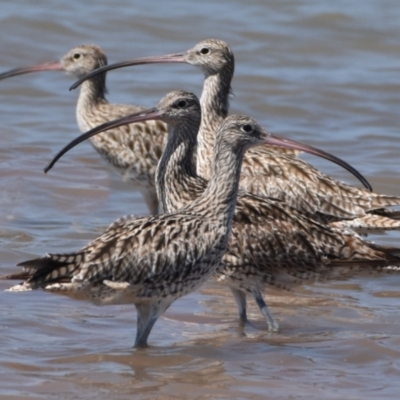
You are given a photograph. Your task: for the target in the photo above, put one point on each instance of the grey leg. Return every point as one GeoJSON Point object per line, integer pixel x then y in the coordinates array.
{"type": "Point", "coordinates": [273, 326]}
{"type": "Point", "coordinates": [240, 299]}
{"type": "Point", "coordinates": [146, 318]}
{"type": "Point", "coordinates": [147, 315]}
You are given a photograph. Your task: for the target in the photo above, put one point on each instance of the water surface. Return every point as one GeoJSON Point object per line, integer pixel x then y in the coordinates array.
{"type": "Point", "coordinates": [321, 72]}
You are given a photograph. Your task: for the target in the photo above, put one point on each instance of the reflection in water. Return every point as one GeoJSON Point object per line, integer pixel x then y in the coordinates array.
{"type": "Point", "coordinates": [324, 73]}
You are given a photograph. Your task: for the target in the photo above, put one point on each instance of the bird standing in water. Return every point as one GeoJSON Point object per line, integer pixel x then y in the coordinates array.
{"type": "Point", "coordinates": [134, 155]}
{"type": "Point", "coordinates": [265, 171]}
{"type": "Point", "coordinates": [152, 261]}
{"type": "Point", "coordinates": [270, 242]}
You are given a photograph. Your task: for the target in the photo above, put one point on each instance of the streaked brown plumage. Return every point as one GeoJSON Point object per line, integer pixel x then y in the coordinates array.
{"type": "Point", "coordinates": [270, 242]}
{"type": "Point", "coordinates": [133, 150]}
{"type": "Point", "coordinates": [152, 261]}
{"type": "Point", "coordinates": [266, 172]}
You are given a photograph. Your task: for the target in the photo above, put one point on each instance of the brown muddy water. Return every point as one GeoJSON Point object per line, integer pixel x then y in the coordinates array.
{"type": "Point", "coordinates": [326, 73]}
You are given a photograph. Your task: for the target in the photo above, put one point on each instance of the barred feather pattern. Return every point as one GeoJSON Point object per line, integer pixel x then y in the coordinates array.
{"type": "Point", "coordinates": [271, 242]}
{"type": "Point", "coordinates": [154, 257]}
{"type": "Point", "coordinates": [268, 172]}
{"type": "Point", "coordinates": [132, 150]}
{"type": "Point", "coordinates": [269, 237]}
{"type": "Point", "coordinates": [153, 260]}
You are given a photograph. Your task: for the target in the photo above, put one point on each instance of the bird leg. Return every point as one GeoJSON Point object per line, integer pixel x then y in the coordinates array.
{"type": "Point", "coordinates": [147, 315]}
{"type": "Point", "coordinates": [240, 299]}
{"type": "Point", "coordinates": [273, 326]}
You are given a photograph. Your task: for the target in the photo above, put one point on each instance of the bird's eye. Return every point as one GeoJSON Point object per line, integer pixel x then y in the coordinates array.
{"type": "Point", "coordinates": [182, 104]}
{"type": "Point", "coordinates": [247, 128]}
{"type": "Point", "coordinates": [77, 56]}
{"type": "Point", "coordinates": [204, 50]}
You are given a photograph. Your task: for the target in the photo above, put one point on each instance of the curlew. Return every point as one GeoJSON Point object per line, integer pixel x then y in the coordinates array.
{"type": "Point", "coordinates": [134, 155]}
{"type": "Point", "coordinates": [270, 243]}
{"type": "Point", "coordinates": [152, 261]}
{"type": "Point", "coordinates": [266, 172]}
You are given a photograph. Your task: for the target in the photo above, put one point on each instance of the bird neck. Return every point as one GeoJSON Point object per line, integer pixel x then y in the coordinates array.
{"type": "Point", "coordinates": [92, 94]}
{"type": "Point", "coordinates": [219, 198]}
{"type": "Point", "coordinates": [214, 105]}
{"type": "Point", "coordinates": [177, 166]}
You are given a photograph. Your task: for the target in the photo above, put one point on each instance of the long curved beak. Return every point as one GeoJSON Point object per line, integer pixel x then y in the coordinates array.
{"type": "Point", "coordinates": [168, 58]}
{"type": "Point", "coordinates": [156, 113]}
{"type": "Point", "coordinates": [149, 114]}
{"type": "Point", "coordinates": [293, 145]}
{"type": "Point", "coordinates": [49, 66]}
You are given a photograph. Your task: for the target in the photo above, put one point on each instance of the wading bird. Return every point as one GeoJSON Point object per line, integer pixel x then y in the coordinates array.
{"type": "Point", "coordinates": [266, 172]}
{"type": "Point", "coordinates": [135, 154]}
{"type": "Point", "coordinates": [152, 261]}
{"type": "Point", "coordinates": [270, 243]}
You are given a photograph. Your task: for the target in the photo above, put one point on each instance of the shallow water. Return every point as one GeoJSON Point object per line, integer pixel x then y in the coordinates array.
{"type": "Point", "coordinates": [324, 73]}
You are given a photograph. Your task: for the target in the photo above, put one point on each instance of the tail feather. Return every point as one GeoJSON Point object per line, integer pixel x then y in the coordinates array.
{"type": "Point", "coordinates": [369, 222]}
{"type": "Point", "coordinates": [383, 200]}
{"type": "Point", "coordinates": [388, 213]}
{"type": "Point", "coordinates": [17, 276]}
{"type": "Point", "coordinates": [48, 269]}
{"type": "Point", "coordinates": [365, 264]}
{"type": "Point", "coordinates": [393, 253]}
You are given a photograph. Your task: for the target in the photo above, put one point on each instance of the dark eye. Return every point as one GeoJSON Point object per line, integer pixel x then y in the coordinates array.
{"type": "Point", "coordinates": [182, 104]}
{"type": "Point", "coordinates": [247, 128]}
{"type": "Point", "coordinates": [77, 56]}
{"type": "Point", "coordinates": [204, 50]}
